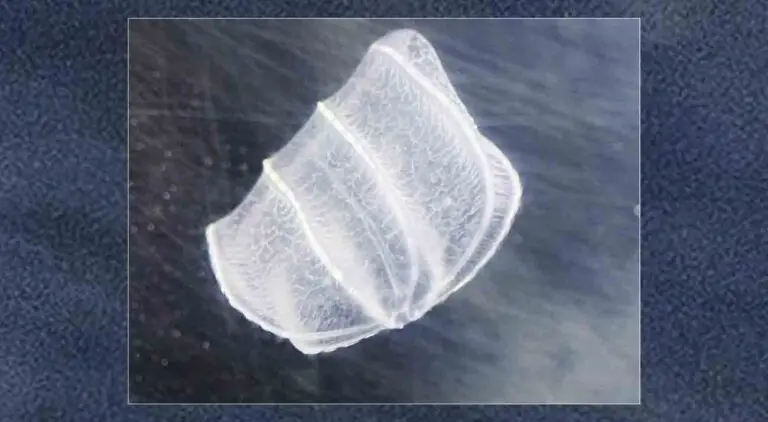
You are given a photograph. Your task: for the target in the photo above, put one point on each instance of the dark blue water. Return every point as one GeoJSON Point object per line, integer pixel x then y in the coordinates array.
{"type": "Point", "coordinates": [553, 317]}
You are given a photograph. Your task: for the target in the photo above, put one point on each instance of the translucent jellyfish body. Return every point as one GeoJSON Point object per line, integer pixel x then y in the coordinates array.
{"type": "Point", "coordinates": [383, 204]}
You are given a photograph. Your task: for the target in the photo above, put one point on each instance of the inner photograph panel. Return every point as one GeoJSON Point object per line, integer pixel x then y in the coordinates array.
{"type": "Point", "coordinates": [220, 108]}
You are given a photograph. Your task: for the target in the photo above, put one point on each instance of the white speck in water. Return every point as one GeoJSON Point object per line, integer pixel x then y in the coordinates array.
{"type": "Point", "coordinates": [166, 196]}
{"type": "Point", "coordinates": [637, 210]}
{"type": "Point", "coordinates": [176, 333]}
{"type": "Point", "coordinates": [164, 362]}
{"type": "Point", "coordinates": [207, 161]}
{"type": "Point", "coordinates": [206, 345]}
{"type": "Point", "coordinates": [167, 153]}
{"type": "Point", "coordinates": [151, 226]}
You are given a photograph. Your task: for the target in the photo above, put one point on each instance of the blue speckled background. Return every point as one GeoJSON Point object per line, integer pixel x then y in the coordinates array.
{"type": "Point", "coordinates": [63, 212]}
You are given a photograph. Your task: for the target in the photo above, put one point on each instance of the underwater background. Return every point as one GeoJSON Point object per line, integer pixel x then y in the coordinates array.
{"type": "Point", "coordinates": [552, 318]}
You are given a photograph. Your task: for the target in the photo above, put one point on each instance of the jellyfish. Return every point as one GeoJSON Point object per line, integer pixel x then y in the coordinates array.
{"type": "Point", "coordinates": [383, 204]}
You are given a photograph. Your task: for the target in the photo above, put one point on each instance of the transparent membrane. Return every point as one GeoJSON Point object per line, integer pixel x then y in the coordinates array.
{"type": "Point", "coordinates": [383, 204]}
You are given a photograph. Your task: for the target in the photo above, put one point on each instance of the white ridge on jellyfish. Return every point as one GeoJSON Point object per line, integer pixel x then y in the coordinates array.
{"type": "Point", "coordinates": [384, 203]}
